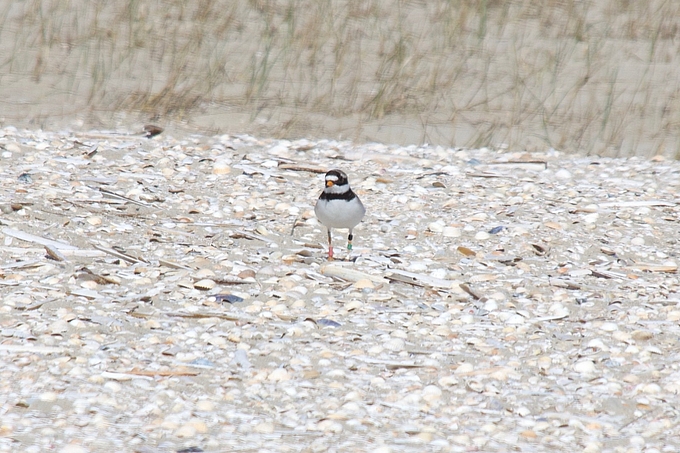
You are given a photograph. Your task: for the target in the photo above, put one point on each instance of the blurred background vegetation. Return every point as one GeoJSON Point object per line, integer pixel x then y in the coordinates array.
{"type": "Point", "coordinates": [593, 77]}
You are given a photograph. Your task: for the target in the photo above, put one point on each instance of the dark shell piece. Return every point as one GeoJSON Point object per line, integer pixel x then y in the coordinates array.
{"type": "Point", "coordinates": [496, 230]}
{"type": "Point", "coordinates": [327, 322]}
{"type": "Point", "coordinates": [232, 299]}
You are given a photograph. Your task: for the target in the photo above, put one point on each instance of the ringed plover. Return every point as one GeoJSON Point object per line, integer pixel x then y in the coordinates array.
{"type": "Point", "coordinates": [338, 207]}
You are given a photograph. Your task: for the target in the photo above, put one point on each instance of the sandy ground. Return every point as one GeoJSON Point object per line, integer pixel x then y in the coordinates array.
{"type": "Point", "coordinates": [173, 294]}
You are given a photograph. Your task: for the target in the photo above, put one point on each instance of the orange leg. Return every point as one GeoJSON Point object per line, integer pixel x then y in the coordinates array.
{"type": "Point", "coordinates": [330, 245]}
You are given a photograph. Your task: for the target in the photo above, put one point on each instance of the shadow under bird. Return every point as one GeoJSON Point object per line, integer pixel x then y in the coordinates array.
{"type": "Point", "coordinates": [338, 207]}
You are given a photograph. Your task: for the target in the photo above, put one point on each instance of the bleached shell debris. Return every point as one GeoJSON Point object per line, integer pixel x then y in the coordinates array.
{"type": "Point", "coordinates": [173, 294]}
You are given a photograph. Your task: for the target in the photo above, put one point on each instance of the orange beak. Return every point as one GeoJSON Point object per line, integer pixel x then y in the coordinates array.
{"type": "Point", "coordinates": [329, 183]}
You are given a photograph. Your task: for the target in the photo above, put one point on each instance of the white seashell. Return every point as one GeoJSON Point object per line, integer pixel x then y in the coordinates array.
{"type": "Point", "coordinates": [221, 167]}
{"type": "Point", "coordinates": [585, 367]}
{"type": "Point", "coordinates": [638, 241]}
{"type": "Point", "coordinates": [436, 227]}
{"type": "Point", "coordinates": [395, 344]}
{"type": "Point", "coordinates": [278, 375]}
{"type": "Point", "coordinates": [563, 174]}
{"type": "Point", "coordinates": [591, 218]}
{"type": "Point", "coordinates": [205, 284]}
{"type": "Point", "coordinates": [609, 327]}
{"type": "Point", "coordinates": [94, 220]}
{"type": "Point", "coordinates": [363, 283]}
{"type": "Point", "coordinates": [431, 393]}
{"type": "Point", "coordinates": [203, 273]}
{"type": "Point", "coordinates": [448, 381]}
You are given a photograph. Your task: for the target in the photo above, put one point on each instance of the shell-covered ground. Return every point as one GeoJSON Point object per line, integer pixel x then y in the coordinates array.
{"type": "Point", "coordinates": [173, 294]}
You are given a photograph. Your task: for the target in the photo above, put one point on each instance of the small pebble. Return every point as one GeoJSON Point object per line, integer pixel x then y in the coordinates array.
{"type": "Point", "coordinates": [642, 335]}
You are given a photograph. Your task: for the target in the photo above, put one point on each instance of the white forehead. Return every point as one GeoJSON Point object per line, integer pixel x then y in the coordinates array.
{"type": "Point", "coordinates": [331, 178]}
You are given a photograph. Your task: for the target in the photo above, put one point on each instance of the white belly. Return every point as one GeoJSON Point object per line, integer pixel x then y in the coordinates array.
{"type": "Point", "coordinates": [340, 213]}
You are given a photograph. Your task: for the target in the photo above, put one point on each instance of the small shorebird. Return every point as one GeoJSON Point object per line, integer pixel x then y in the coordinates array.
{"type": "Point", "coordinates": [338, 207]}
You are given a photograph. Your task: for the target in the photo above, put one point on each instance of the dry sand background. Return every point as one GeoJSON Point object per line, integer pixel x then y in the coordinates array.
{"type": "Point", "coordinates": [596, 77]}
